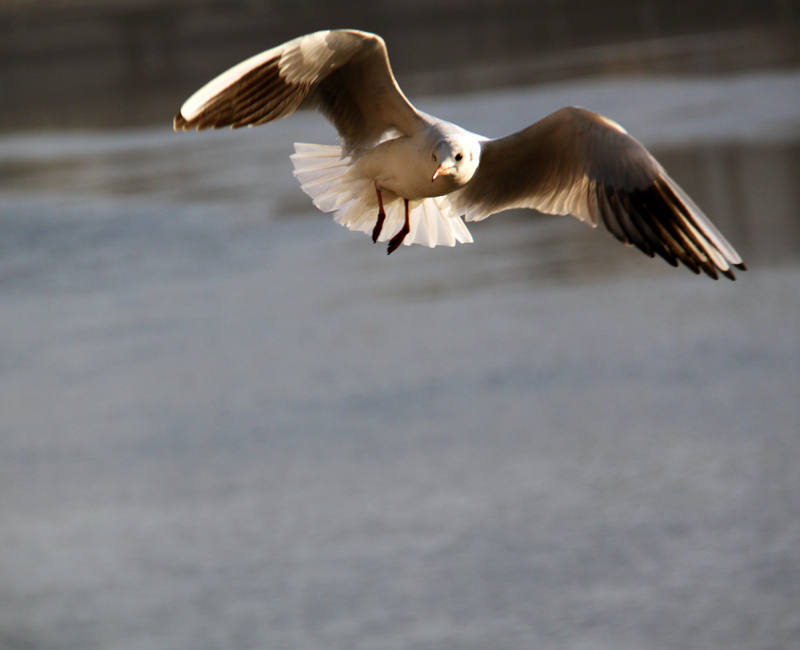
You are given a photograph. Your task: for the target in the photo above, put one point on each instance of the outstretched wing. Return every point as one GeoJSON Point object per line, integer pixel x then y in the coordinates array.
{"type": "Point", "coordinates": [580, 163]}
{"type": "Point", "coordinates": [345, 74]}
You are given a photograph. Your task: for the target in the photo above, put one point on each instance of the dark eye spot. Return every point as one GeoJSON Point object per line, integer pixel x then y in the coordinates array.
{"type": "Point", "coordinates": [459, 156]}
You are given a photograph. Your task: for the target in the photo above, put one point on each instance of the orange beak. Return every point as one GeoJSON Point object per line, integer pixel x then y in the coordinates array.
{"type": "Point", "coordinates": [440, 170]}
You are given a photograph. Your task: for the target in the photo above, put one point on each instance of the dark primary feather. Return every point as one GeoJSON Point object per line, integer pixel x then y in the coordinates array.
{"type": "Point", "coordinates": [577, 162]}
{"type": "Point", "coordinates": [257, 97]}
{"type": "Point", "coordinates": [354, 89]}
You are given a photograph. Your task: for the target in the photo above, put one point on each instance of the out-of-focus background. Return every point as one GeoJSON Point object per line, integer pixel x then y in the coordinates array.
{"type": "Point", "coordinates": [97, 63]}
{"type": "Point", "coordinates": [227, 422]}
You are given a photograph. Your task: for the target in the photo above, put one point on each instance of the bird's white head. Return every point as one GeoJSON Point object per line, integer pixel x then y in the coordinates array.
{"type": "Point", "coordinates": [455, 160]}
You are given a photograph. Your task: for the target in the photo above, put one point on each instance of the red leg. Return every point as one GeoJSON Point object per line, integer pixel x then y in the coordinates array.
{"type": "Point", "coordinates": [376, 232]}
{"type": "Point", "coordinates": [395, 241]}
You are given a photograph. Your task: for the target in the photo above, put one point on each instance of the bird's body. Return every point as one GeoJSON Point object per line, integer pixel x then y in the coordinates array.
{"type": "Point", "coordinates": [407, 177]}
{"type": "Point", "coordinates": [406, 165]}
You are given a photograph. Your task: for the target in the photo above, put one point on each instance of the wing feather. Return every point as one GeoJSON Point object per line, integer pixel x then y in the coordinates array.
{"type": "Point", "coordinates": [344, 74]}
{"type": "Point", "coordinates": [580, 163]}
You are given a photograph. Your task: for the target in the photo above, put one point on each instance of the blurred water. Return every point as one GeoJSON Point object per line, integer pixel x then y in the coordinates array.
{"type": "Point", "coordinates": [229, 423]}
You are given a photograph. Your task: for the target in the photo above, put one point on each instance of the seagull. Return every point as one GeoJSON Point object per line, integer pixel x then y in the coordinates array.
{"type": "Point", "coordinates": [406, 177]}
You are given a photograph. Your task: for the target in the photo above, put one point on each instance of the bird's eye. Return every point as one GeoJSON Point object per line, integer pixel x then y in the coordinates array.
{"type": "Point", "coordinates": [459, 156]}
{"type": "Point", "coordinates": [433, 157]}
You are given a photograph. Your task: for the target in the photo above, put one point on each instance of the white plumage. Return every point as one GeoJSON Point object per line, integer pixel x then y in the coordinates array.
{"type": "Point", "coordinates": [409, 178]}
{"type": "Point", "coordinates": [329, 178]}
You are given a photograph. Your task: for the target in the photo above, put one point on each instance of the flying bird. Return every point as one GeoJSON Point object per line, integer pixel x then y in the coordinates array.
{"type": "Point", "coordinates": [406, 177]}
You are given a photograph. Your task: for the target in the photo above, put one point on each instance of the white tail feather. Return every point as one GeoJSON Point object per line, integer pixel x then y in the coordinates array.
{"type": "Point", "coordinates": [329, 178]}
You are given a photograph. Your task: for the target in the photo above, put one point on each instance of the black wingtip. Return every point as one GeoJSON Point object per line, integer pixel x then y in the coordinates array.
{"type": "Point", "coordinates": [179, 123]}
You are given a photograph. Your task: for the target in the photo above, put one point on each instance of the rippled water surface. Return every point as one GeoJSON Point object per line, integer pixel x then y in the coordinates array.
{"type": "Point", "coordinates": [229, 423]}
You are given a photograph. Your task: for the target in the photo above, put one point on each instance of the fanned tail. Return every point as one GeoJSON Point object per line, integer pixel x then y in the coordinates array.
{"type": "Point", "coordinates": [333, 184]}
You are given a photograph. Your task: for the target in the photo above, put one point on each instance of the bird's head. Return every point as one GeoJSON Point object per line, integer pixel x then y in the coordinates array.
{"type": "Point", "coordinates": [455, 160]}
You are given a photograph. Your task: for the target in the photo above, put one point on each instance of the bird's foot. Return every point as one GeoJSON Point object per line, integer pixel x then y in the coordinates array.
{"type": "Point", "coordinates": [394, 242]}
{"type": "Point", "coordinates": [376, 231]}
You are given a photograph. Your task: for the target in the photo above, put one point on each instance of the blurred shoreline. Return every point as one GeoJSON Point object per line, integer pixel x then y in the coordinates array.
{"type": "Point", "coordinates": [79, 64]}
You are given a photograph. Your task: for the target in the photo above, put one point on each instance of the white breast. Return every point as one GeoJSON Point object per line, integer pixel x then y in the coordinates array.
{"type": "Point", "coordinates": [335, 184]}
{"type": "Point", "coordinates": [404, 166]}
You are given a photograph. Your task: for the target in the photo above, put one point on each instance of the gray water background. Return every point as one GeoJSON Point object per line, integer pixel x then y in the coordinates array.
{"type": "Point", "coordinates": [227, 422]}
